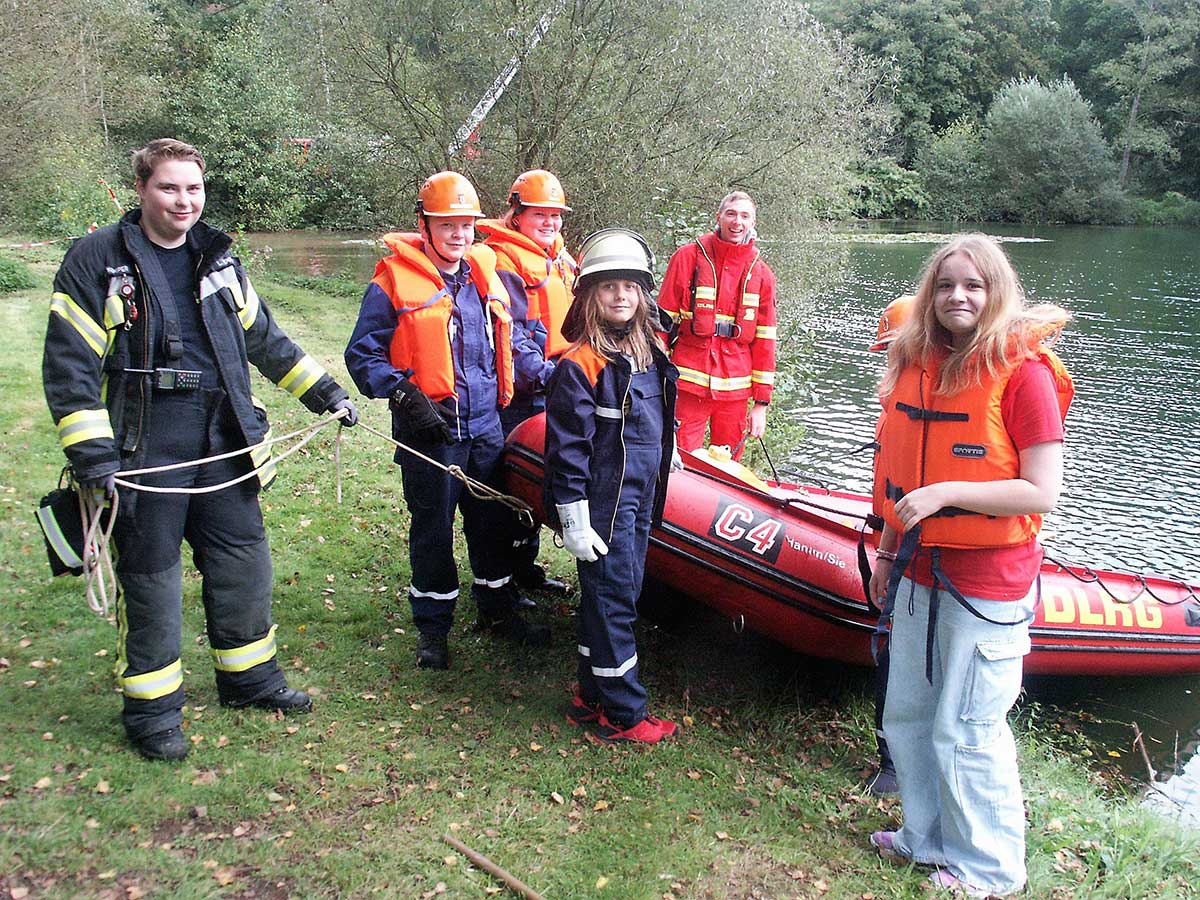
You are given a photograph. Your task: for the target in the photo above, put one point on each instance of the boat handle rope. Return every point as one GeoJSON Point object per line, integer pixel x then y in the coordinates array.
{"type": "Point", "coordinates": [98, 571]}
{"type": "Point", "coordinates": [1090, 576]}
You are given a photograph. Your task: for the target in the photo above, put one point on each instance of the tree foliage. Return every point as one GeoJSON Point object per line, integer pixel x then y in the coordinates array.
{"type": "Point", "coordinates": [1047, 156]}
{"type": "Point", "coordinates": [954, 172]}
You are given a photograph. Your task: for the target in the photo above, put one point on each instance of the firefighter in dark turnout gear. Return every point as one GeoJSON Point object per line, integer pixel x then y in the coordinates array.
{"type": "Point", "coordinates": [152, 327]}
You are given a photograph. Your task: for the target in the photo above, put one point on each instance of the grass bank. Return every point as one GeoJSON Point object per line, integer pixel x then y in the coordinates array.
{"type": "Point", "coordinates": [758, 798]}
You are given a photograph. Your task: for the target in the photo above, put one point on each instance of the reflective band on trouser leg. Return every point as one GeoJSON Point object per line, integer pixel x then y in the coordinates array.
{"type": "Point", "coordinates": [84, 425]}
{"type": "Point", "coordinates": [302, 376]}
{"type": "Point", "coordinates": [611, 672]}
{"type": "Point", "coordinates": [239, 659]}
{"type": "Point", "coordinates": [152, 685]}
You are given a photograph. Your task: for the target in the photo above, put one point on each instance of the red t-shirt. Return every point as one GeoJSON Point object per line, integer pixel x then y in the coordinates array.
{"type": "Point", "coordinates": [1030, 411]}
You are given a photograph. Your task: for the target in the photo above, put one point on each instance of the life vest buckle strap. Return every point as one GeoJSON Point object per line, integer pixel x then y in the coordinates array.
{"type": "Point", "coordinates": [920, 414]}
{"type": "Point", "coordinates": [728, 330]}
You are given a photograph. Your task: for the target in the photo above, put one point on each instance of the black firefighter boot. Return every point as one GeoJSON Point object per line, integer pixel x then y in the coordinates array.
{"type": "Point", "coordinates": [433, 651]}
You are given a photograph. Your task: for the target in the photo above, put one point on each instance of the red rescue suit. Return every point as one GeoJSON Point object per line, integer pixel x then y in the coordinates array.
{"type": "Point", "coordinates": [424, 308]}
{"type": "Point", "coordinates": [926, 438]}
{"type": "Point", "coordinates": [722, 297]}
{"type": "Point", "coordinates": [548, 274]}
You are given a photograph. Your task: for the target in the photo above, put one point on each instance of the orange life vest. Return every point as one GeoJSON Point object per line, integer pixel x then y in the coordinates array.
{"type": "Point", "coordinates": [424, 308]}
{"type": "Point", "coordinates": [705, 320]}
{"type": "Point", "coordinates": [548, 274]}
{"type": "Point", "coordinates": [926, 438]}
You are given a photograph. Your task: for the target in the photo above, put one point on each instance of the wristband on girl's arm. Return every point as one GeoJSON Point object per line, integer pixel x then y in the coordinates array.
{"type": "Point", "coordinates": [889, 555]}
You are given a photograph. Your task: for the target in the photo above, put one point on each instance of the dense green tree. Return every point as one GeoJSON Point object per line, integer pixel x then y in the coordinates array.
{"type": "Point", "coordinates": [1047, 156]}
{"type": "Point", "coordinates": [954, 173]}
{"type": "Point", "coordinates": [1138, 61]}
{"type": "Point", "coordinates": [950, 56]}
{"type": "Point", "coordinates": [241, 110]}
{"type": "Point", "coordinates": [638, 106]}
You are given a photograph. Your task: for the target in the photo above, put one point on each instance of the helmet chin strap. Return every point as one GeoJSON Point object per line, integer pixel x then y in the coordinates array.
{"type": "Point", "coordinates": [432, 246]}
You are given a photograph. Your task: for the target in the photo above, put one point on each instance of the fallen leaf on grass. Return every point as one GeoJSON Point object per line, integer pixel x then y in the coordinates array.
{"type": "Point", "coordinates": [42, 783]}
{"type": "Point", "coordinates": [535, 747]}
{"type": "Point", "coordinates": [600, 806]}
{"type": "Point", "coordinates": [103, 788]}
{"type": "Point", "coordinates": [557, 797]}
{"type": "Point", "coordinates": [722, 836]}
{"type": "Point", "coordinates": [601, 883]}
{"type": "Point", "coordinates": [694, 775]}
{"type": "Point", "coordinates": [225, 876]}
{"type": "Point", "coordinates": [341, 767]}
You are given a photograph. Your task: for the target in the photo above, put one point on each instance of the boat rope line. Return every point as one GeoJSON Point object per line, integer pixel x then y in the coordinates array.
{"type": "Point", "coordinates": [477, 489]}
{"type": "Point", "coordinates": [308, 433]}
{"type": "Point", "coordinates": [99, 514]}
{"type": "Point", "coordinates": [1082, 572]}
{"type": "Point", "coordinates": [1088, 575]}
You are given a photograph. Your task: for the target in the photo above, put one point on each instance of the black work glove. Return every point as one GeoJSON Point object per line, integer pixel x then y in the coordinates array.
{"type": "Point", "coordinates": [420, 416]}
{"type": "Point", "coordinates": [349, 420]}
{"type": "Point", "coordinates": [105, 485]}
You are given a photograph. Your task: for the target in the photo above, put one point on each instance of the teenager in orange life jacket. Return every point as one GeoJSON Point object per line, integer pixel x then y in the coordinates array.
{"type": "Point", "coordinates": [970, 459]}
{"type": "Point", "coordinates": [720, 294]}
{"type": "Point", "coordinates": [436, 339]}
{"type": "Point", "coordinates": [528, 243]}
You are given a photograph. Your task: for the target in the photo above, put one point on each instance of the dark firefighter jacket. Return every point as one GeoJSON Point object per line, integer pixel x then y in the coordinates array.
{"type": "Point", "coordinates": [106, 316]}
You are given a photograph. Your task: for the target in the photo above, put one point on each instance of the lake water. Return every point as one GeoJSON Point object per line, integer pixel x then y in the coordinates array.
{"type": "Point", "coordinates": [1132, 490]}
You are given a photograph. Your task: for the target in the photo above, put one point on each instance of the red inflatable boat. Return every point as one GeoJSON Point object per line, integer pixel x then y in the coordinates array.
{"type": "Point", "coordinates": [782, 560]}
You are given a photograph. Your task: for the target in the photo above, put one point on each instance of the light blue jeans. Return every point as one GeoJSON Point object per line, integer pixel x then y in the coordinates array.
{"type": "Point", "coordinates": [956, 760]}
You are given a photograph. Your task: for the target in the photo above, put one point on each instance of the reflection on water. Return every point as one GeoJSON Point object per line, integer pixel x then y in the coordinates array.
{"type": "Point", "coordinates": [1132, 486]}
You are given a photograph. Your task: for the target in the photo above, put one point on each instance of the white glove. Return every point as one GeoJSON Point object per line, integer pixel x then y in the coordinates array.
{"type": "Point", "coordinates": [579, 537]}
{"type": "Point", "coordinates": [676, 459]}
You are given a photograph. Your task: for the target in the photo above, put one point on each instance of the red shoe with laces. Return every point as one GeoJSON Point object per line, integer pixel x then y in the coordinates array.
{"type": "Point", "coordinates": [581, 713]}
{"type": "Point", "coordinates": [650, 730]}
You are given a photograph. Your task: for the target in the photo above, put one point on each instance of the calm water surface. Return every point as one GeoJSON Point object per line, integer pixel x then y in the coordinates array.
{"type": "Point", "coordinates": [1132, 490]}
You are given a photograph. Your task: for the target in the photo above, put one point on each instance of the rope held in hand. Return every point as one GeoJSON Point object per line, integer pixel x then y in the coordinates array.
{"type": "Point", "coordinates": [477, 488]}
{"type": "Point", "coordinates": [98, 571]}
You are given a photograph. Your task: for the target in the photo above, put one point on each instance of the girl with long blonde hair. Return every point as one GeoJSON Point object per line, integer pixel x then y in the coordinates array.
{"type": "Point", "coordinates": [970, 458]}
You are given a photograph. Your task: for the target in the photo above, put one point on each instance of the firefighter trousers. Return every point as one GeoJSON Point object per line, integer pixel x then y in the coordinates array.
{"type": "Point", "coordinates": [229, 548]}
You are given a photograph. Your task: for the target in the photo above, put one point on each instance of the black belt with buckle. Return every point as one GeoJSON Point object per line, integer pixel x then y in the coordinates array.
{"type": "Point", "coordinates": [170, 379]}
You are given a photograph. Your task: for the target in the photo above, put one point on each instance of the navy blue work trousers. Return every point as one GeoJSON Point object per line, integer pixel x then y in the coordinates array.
{"type": "Point", "coordinates": [432, 497]}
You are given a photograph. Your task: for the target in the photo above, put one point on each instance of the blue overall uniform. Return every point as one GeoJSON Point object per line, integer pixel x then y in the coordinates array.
{"type": "Point", "coordinates": [609, 433]}
{"type": "Point", "coordinates": [430, 494]}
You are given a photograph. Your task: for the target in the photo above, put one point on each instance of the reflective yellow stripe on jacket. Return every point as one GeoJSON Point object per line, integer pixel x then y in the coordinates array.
{"type": "Point", "coordinates": [302, 376]}
{"type": "Point", "coordinates": [703, 379]}
{"type": "Point", "coordinates": [84, 425]}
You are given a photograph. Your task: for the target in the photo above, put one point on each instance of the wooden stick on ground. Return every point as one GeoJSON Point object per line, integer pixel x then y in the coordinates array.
{"type": "Point", "coordinates": [1140, 743]}
{"type": "Point", "coordinates": [490, 867]}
